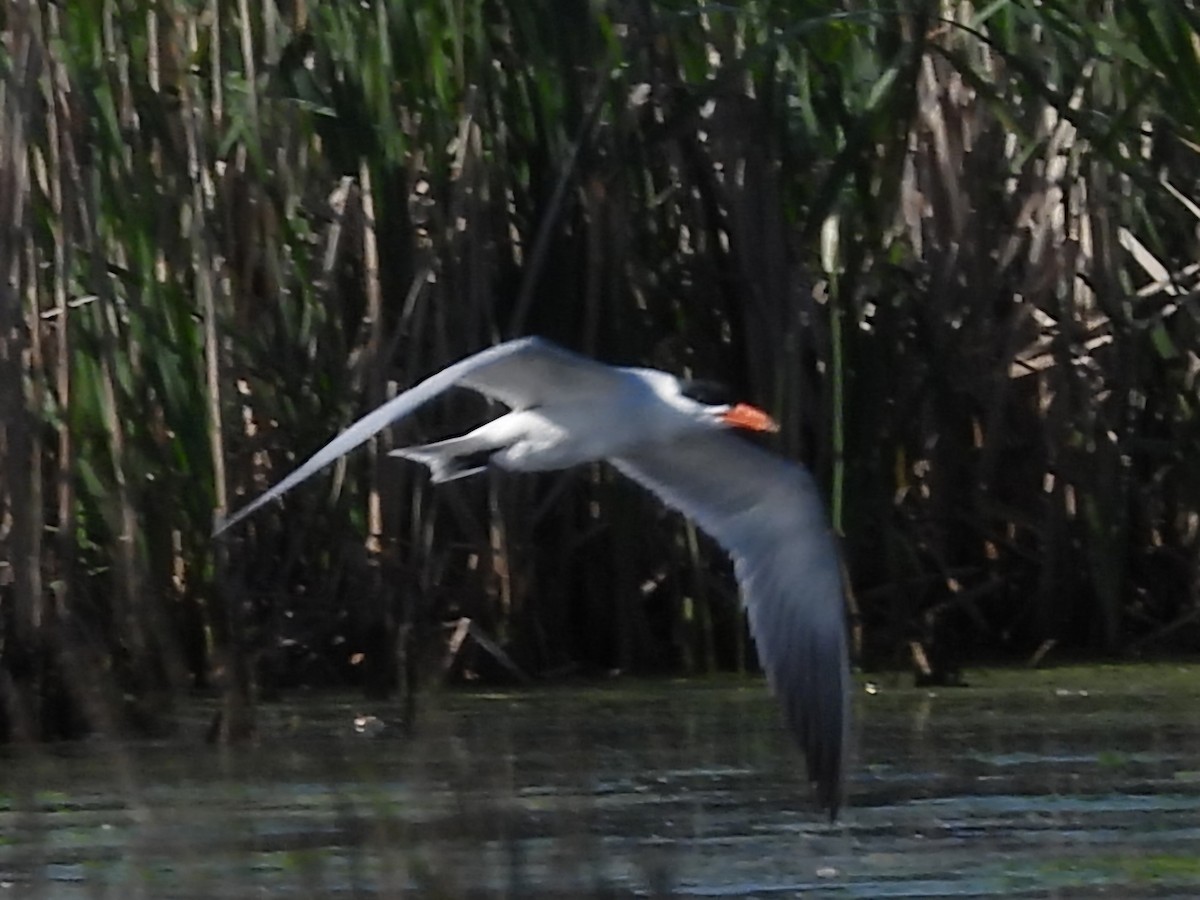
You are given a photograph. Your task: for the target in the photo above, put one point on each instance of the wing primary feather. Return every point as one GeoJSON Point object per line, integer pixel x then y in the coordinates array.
{"type": "Point", "coordinates": [767, 513]}
{"type": "Point", "coordinates": [395, 409]}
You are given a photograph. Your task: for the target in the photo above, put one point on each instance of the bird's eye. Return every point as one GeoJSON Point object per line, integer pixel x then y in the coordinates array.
{"type": "Point", "coordinates": [710, 393]}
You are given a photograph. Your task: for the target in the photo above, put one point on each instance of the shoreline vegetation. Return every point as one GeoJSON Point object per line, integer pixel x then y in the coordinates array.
{"type": "Point", "coordinates": [951, 247]}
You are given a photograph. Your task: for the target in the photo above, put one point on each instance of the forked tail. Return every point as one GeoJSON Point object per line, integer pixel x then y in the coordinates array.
{"type": "Point", "coordinates": [450, 459]}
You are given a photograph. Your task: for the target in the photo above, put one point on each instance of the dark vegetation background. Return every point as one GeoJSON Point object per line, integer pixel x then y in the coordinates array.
{"type": "Point", "coordinates": [952, 246]}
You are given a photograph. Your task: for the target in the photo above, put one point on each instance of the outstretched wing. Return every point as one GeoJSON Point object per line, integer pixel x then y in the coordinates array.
{"type": "Point", "coordinates": [520, 373]}
{"type": "Point", "coordinates": [537, 372]}
{"type": "Point", "coordinates": [767, 513]}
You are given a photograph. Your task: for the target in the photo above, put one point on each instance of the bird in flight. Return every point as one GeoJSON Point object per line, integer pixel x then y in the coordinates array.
{"type": "Point", "coordinates": [675, 441]}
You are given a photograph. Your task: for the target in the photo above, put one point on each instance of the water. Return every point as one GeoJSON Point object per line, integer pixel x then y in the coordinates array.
{"type": "Point", "coordinates": [1069, 783]}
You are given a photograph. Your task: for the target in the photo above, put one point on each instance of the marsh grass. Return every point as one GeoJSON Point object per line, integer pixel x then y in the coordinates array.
{"type": "Point", "coordinates": [950, 246]}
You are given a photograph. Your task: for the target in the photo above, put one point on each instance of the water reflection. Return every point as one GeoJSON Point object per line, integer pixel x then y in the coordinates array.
{"type": "Point", "coordinates": [664, 789]}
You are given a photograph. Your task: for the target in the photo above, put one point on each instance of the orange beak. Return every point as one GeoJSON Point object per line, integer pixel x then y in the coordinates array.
{"type": "Point", "coordinates": [749, 417]}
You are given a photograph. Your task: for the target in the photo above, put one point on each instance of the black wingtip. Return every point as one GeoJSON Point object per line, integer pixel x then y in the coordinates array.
{"type": "Point", "coordinates": [829, 797]}
{"type": "Point", "coordinates": [822, 736]}
{"type": "Point", "coordinates": [828, 788]}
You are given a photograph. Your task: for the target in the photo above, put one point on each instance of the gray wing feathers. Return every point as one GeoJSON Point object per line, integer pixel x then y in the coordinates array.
{"type": "Point", "coordinates": [491, 371]}
{"type": "Point", "coordinates": [541, 372]}
{"type": "Point", "coordinates": [767, 513]}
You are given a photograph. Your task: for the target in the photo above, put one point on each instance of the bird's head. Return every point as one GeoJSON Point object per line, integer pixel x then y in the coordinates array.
{"type": "Point", "coordinates": [717, 404]}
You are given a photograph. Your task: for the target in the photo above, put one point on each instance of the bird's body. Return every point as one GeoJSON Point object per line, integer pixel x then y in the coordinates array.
{"type": "Point", "coordinates": [764, 510]}
{"type": "Point", "coordinates": [563, 432]}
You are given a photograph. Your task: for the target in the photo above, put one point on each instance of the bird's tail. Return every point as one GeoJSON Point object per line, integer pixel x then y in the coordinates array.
{"type": "Point", "coordinates": [450, 459]}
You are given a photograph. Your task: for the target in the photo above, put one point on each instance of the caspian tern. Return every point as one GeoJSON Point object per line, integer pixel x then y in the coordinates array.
{"type": "Point", "coordinates": [765, 510]}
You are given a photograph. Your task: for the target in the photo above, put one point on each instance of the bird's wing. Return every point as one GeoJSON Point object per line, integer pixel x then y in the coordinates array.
{"type": "Point", "coordinates": [519, 373]}
{"type": "Point", "coordinates": [767, 513]}
{"type": "Point", "coordinates": [537, 371]}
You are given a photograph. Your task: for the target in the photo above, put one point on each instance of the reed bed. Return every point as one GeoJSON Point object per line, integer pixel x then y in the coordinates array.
{"type": "Point", "coordinates": [951, 246]}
